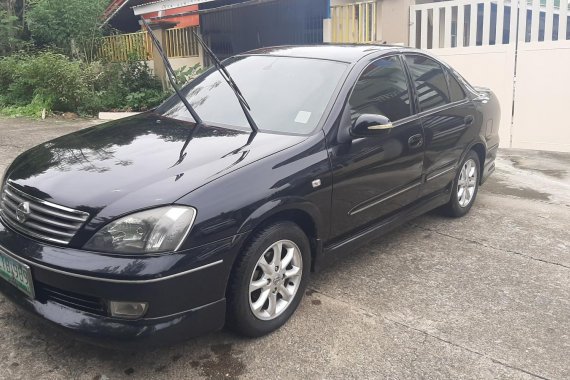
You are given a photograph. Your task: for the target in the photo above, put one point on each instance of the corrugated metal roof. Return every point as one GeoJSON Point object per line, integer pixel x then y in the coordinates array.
{"type": "Point", "coordinates": [120, 6]}
{"type": "Point", "coordinates": [113, 7]}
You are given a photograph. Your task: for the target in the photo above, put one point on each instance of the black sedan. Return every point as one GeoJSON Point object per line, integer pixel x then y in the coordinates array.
{"type": "Point", "coordinates": [160, 227]}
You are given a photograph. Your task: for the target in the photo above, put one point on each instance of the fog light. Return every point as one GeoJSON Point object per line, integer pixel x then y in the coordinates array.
{"type": "Point", "coordinates": [130, 310]}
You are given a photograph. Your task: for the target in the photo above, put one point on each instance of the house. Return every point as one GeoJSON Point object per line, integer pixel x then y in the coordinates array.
{"type": "Point", "coordinates": [234, 26]}
{"type": "Point", "coordinates": [229, 26]}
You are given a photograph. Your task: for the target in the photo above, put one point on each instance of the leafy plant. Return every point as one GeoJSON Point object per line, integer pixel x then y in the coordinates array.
{"type": "Point", "coordinates": [185, 74]}
{"type": "Point", "coordinates": [31, 82]}
{"type": "Point", "coordinates": [10, 30]}
{"type": "Point", "coordinates": [54, 78]}
{"type": "Point", "coordinates": [34, 109]}
{"type": "Point", "coordinates": [137, 76]}
{"type": "Point", "coordinates": [128, 86]}
{"type": "Point", "coordinates": [146, 100]}
{"type": "Point", "coordinates": [71, 25]}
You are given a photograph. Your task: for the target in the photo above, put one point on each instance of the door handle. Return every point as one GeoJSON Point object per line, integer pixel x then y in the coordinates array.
{"type": "Point", "coordinates": [469, 119]}
{"type": "Point", "coordinates": [416, 141]}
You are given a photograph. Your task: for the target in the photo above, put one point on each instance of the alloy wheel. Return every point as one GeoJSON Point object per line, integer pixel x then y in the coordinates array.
{"type": "Point", "coordinates": [275, 280]}
{"type": "Point", "coordinates": [467, 183]}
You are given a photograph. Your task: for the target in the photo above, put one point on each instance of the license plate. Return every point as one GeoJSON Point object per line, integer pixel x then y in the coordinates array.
{"type": "Point", "coordinates": [17, 274]}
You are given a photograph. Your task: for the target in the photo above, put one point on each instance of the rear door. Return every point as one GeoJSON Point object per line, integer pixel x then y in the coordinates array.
{"type": "Point", "coordinates": [377, 175]}
{"type": "Point", "coordinates": [446, 115]}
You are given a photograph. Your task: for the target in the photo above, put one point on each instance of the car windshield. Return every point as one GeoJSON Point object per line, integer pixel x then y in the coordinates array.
{"type": "Point", "coordinates": [286, 95]}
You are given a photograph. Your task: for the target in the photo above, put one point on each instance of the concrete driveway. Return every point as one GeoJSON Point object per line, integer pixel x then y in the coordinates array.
{"type": "Point", "coordinates": [486, 296]}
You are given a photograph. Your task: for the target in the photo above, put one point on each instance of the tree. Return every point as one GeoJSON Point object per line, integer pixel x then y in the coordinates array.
{"type": "Point", "coordinates": [71, 25]}
{"type": "Point", "coordinates": [11, 26]}
{"type": "Point", "coordinates": [8, 31]}
{"type": "Point", "coordinates": [12, 7]}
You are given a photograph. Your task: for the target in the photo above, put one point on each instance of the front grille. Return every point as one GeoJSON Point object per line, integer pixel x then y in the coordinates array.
{"type": "Point", "coordinates": [38, 218]}
{"type": "Point", "coordinates": [89, 304]}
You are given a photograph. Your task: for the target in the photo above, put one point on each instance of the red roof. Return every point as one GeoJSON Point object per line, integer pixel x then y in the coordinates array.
{"type": "Point", "coordinates": [121, 12]}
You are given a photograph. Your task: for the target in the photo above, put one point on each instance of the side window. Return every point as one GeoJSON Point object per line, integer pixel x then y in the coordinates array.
{"type": "Point", "coordinates": [429, 80]}
{"type": "Point", "coordinates": [455, 88]}
{"type": "Point", "coordinates": [382, 89]}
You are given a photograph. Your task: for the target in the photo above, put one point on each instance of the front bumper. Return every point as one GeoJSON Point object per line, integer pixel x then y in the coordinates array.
{"type": "Point", "coordinates": [185, 290]}
{"type": "Point", "coordinates": [117, 333]}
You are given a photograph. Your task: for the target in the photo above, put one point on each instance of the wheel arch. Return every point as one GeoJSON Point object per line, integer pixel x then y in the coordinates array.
{"type": "Point", "coordinates": [305, 214]}
{"type": "Point", "coordinates": [480, 148]}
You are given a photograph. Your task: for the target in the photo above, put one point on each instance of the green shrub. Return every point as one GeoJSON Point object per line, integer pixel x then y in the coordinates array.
{"type": "Point", "coordinates": [137, 77]}
{"type": "Point", "coordinates": [91, 104]}
{"type": "Point", "coordinates": [146, 100]}
{"type": "Point", "coordinates": [127, 86]}
{"type": "Point", "coordinates": [7, 72]}
{"type": "Point", "coordinates": [29, 83]}
{"type": "Point", "coordinates": [53, 77]}
{"type": "Point", "coordinates": [185, 74]}
{"type": "Point", "coordinates": [34, 109]}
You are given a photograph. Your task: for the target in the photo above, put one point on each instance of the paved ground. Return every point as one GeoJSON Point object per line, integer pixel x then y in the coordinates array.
{"type": "Point", "coordinates": [486, 296]}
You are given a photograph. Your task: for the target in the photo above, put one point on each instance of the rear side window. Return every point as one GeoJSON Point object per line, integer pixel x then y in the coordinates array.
{"type": "Point", "coordinates": [430, 82]}
{"type": "Point", "coordinates": [455, 89]}
{"type": "Point", "coordinates": [382, 89]}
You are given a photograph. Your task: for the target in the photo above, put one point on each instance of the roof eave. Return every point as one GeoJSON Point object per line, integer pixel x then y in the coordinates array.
{"type": "Point", "coordinates": [119, 8]}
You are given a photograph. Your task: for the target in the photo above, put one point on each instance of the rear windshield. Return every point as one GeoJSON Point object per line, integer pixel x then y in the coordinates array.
{"type": "Point", "coordinates": [286, 95]}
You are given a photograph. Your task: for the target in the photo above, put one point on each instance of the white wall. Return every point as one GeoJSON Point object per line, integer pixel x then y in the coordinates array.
{"type": "Point", "coordinates": [178, 63]}
{"type": "Point", "coordinates": [394, 21]}
{"type": "Point", "coordinates": [541, 97]}
{"type": "Point", "coordinates": [487, 66]}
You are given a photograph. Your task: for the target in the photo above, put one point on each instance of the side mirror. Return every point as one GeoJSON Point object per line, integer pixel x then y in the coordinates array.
{"type": "Point", "coordinates": [371, 125]}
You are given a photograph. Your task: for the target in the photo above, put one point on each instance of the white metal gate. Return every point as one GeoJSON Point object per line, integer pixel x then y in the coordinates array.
{"type": "Point", "coordinates": [520, 49]}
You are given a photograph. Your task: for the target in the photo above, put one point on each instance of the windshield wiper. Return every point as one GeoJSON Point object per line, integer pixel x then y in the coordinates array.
{"type": "Point", "coordinates": [170, 73]}
{"type": "Point", "coordinates": [228, 78]}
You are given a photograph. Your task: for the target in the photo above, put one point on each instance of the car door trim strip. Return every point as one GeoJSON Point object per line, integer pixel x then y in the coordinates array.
{"type": "Point", "coordinates": [367, 204]}
{"type": "Point", "coordinates": [436, 175]}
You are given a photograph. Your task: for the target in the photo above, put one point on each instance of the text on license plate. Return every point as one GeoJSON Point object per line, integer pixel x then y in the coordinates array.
{"type": "Point", "coordinates": [17, 274]}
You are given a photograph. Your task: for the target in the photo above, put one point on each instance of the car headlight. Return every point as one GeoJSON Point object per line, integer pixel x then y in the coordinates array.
{"type": "Point", "coordinates": [158, 230]}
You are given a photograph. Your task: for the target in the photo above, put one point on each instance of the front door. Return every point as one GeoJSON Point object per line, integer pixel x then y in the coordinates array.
{"type": "Point", "coordinates": [377, 175]}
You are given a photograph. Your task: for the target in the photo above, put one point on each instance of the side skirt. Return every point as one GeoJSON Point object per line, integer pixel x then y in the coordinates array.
{"type": "Point", "coordinates": [333, 251]}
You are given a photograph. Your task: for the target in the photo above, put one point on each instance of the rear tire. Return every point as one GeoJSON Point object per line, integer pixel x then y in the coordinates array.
{"type": "Point", "coordinates": [268, 280]}
{"type": "Point", "coordinates": [465, 187]}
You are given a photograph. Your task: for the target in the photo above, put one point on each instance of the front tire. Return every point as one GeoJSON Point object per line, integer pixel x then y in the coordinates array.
{"type": "Point", "coordinates": [465, 187]}
{"type": "Point", "coordinates": [268, 280]}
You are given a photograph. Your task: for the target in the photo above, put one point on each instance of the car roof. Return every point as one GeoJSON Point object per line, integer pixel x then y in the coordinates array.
{"type": "Point", "coordinates": [335, 52]}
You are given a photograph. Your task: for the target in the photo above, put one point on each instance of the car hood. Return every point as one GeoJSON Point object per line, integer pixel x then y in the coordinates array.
{"type": "Point", "coordinates": [135, 163]}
